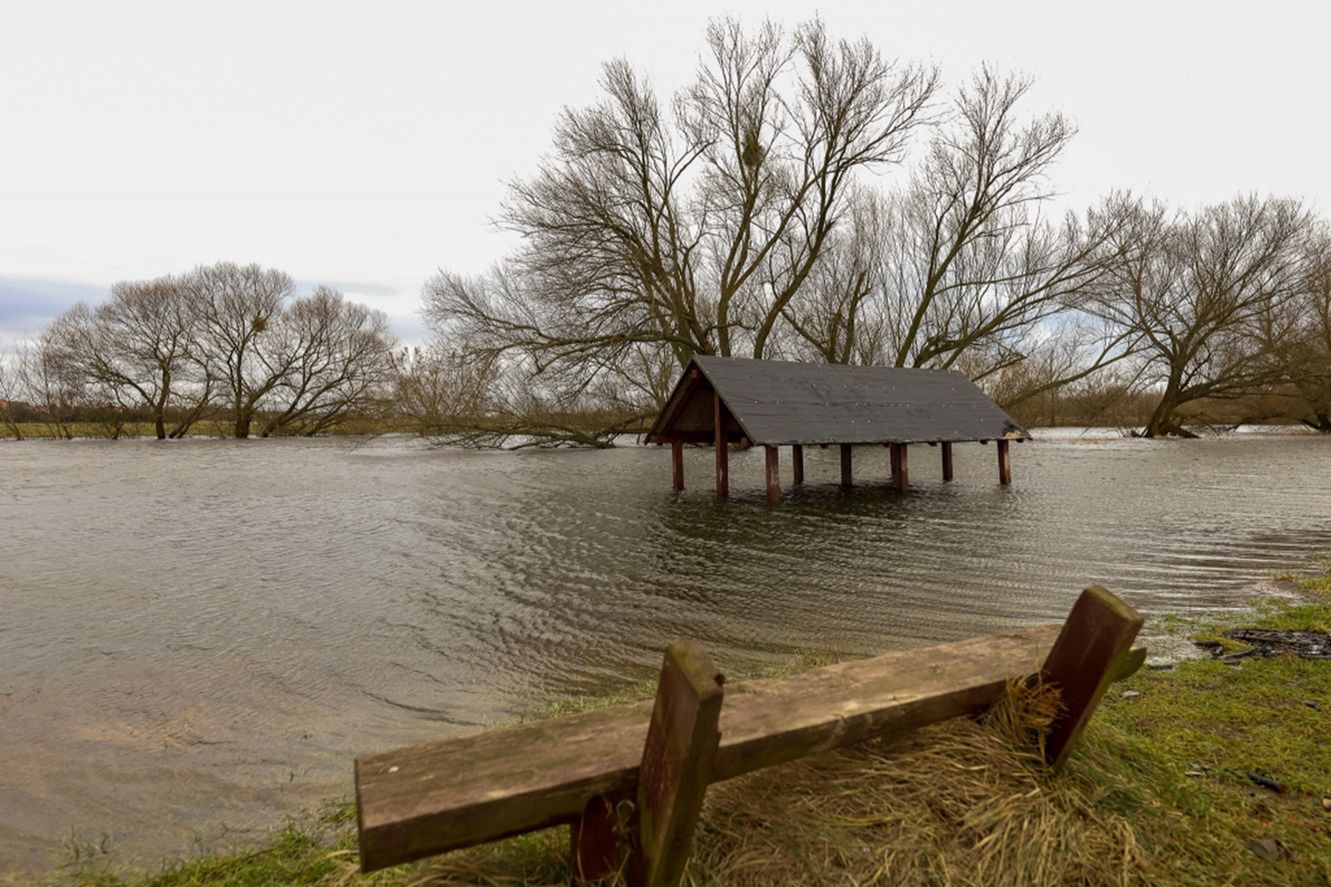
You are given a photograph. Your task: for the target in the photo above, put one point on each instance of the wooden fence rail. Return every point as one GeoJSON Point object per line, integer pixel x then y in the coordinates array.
{"type": "Point", "coordinates": [631, 779]}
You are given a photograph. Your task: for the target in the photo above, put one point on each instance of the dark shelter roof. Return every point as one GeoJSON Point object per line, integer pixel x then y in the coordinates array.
{"type": "Point", "coordinates": [775, 403]}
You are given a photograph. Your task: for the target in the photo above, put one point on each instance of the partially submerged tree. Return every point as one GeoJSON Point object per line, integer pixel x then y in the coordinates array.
{"type": "Point", "coordinates": [237, 305]}
{"type": "Point", "coordinates": [1198, 290]}
{"type": "Point", "coordinates": [50, 382]}
{"type": "Point", "coordinates": [337, 358]}
{"type": "Point", "coordinates": [1300, 337]}
{"type": "Point", "coordinates": [961, 269]}
{"type": "Point", "coordinates": [139, 349]}
{"type": "Point", "coordinates": [657, 232]}
{"type": "Point", "coordinates": [296, 365]}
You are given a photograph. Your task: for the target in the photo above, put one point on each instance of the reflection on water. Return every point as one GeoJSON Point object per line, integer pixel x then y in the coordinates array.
{"type": "Point", "coordinates": [199, 635]}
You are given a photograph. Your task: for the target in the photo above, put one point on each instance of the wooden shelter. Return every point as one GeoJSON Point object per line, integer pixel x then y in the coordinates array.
{"type": "Point", "coordinates": [771, 403]}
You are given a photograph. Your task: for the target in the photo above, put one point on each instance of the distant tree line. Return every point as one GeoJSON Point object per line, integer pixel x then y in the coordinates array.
{"type": "Point", "coordinates": [805, 198]}
{"type": "Point", "coordinates": [226, 342]}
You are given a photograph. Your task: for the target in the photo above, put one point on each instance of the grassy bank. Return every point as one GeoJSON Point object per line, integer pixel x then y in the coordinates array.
{"type": "Point", "coordinates": [1158, 792]}
{"type": "Point", "coordinates": [205, 428]}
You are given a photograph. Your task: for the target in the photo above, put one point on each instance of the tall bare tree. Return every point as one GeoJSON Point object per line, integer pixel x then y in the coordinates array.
{"type": "Point", "coordinates": [1197, 288]}
{"type": "Point", "coordinates": [960, 269]}
{"type": "Point", "coordinates": [689, 230]}
{"type": "Point", "coordinates": [238, 304]}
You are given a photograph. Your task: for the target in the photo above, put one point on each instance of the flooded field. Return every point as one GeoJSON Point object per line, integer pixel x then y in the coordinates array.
{"type": "Point", "coordinates": [198, 636]}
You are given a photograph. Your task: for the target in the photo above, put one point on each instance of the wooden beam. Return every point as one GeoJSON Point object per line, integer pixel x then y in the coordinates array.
{"type": "Point", "coordinates": [1092, 650]}
{"type": "Point", "coordinates": [677, 463]}
{"type": "Point", "coordinates": [443, 795]}
{"type": "Point", "coordinates": [947, 462]}
{"type": "Point", "coordinates": [677, 763]}
{"type": "Point", "coordinates": [722, 444]}
{"type": "Point", "coordinates": [797, 461]}
{"type": "Point", "coordinates": [678, 399]}
{"type": "Point", "coordinates": [773, 475]}
{"type": "Point", "coordinates": [845, 467]}
{"type": "Point", "coordinates": [900, 472]}
{"type": "Point", "coordinates": [1004, 464]}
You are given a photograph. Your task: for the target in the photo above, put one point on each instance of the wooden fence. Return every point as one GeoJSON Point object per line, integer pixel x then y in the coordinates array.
{"type": "Point", "coordinates": [631, 779]}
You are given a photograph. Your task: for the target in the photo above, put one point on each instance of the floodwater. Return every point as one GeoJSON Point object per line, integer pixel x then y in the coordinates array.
{"type": "Point", "coordinates": [198, 636]}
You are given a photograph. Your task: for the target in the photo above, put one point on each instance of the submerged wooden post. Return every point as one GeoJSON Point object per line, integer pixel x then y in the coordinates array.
{"type": "Point", "coordinates": [1090, 653]}
{"type": "Point", "coordinates": [722, 449]}
{"type": "Point", "coordinates": [797, 460]}
{"type": "Point", "coordinates": [1004, 463]}
{"type": "Point", "coordinates": [677, 463]}
{"type": "Point", "coordinates": [676, 763]}
{"type": "Point", "coordinates": [845, 467]}
{"type": "Point", "coordinates": [947, 461]}
{"type": "Point", "coordinates": [773, 476]}
{"type": "Point", "coordinates": [900, 473]}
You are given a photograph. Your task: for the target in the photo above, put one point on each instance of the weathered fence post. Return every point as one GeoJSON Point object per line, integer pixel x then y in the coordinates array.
{"type": "Point", "coordinates": [676, 763]}
{"type": "Point", "coordinates": [722, 448]}
{"type": "Point", "coordinates": [1090, 653]}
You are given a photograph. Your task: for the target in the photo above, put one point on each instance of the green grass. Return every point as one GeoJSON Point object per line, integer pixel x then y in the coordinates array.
{"type": "Point", "coordinates": [963, 802]}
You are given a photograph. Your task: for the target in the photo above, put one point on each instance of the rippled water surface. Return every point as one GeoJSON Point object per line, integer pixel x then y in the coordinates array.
{"type": "Point", "coordinates": [198, 636]}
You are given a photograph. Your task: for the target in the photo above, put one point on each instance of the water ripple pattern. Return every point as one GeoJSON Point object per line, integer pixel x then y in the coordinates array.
{"type": "Point", "coordinates": [197, 636]}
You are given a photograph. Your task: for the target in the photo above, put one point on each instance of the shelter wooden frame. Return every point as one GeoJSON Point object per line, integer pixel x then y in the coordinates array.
{"type": "Point", "coordinates": [724, 402]}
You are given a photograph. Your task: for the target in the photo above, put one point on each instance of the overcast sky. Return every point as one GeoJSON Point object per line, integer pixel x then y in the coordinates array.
{"type": "Point", "coordinates": [367, 144]}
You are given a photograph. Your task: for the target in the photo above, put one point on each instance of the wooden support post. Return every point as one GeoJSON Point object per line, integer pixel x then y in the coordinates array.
{"type": "Point", "coordinates": [797, 459]}
{"type": "Point", "coordinates": [676, 763]}
{"type": "Point", "coordinates": [599, 850]}
{"type": "Point", "coordinates": [845, 467]}
{"type": "Point", "coordinates": [773, 476]}
{"type": "Point", "coordinates": [722, 448]}
{"type": "Point", "coordinates": [947, 461]}
{"type": "Point", "coordinates": [1004, 464]}
{"type": "Point", "coordinates": [677, 463]}
{"type": "Point", "coordinates": [1090, 653]}
{"type": "Point", "coordinates": [900, 472]}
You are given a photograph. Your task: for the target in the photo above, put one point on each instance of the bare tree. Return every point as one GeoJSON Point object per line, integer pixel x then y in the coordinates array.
{"type": "Point", "coordinates": [652, 233]}
{"type": "Point", "coordinates": [9, 395]}
{"type": "Point", "coordinates": [960, 269]}
{"type": "Point", "coordinates": [50, 382]}
{"type": "Point", "coordinates": [1198, 289]}
{"type": "Point", "coordinates": [338, 357]}
{"type": "Point", "coordinates": [1300, 338]}
{"type": "Point", "coordinates": [139, 350]}
{"type": "Point", "coordinates": [237, 306]}
{"type": "Point", "coordinates": [454, 399]}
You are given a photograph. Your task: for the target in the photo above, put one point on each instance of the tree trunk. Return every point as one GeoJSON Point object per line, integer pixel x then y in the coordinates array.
{"type": "Point", "coordinates": [243, 426]}
{"type": "Point", "coordinates": [1322, 422]}
{"type": "Point", "coordinates": [160, 423]}
{"type": "Point", "coordinates": [1162, 422]}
